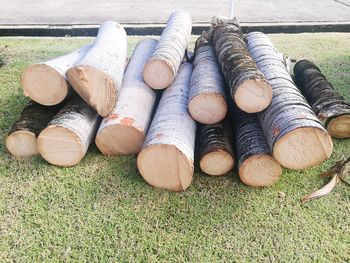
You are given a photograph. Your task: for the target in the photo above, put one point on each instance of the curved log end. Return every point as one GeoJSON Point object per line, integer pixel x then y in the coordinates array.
{"type": "Point", "coordinates": [95, 87]}
{"type": "Point", "coordinates": [253, 95]}
{"type": "Point", "coordinates": [208, 108]}
{"type": "Point", "coordinates": [260, 170]}
{"type": "Point", "coordinates": [60, 146]}
{"type": "Point", "coordinates": [217, 163]}
{"type": "Point", "coordinates": [164, 166]}
{"type": "Point", "coordinates": [22, 144]}
{"type": "Point", "coordinates": [158, 74]}
{"type": "Point", "coordinates": [119, 139]}
{"type": "Point", "coordinates": [303, 148]}
{"type": "Point", "coordinates": [44, 84]}
{"type": "Point", "coordinates": [339, 127]}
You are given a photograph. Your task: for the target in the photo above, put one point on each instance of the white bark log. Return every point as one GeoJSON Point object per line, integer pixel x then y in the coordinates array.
{"type": "Point", "coordinates": [133, 109]}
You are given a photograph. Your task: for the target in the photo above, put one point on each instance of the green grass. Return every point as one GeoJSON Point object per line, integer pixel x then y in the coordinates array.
{"type": "Point", "coordinates": [102, 210]}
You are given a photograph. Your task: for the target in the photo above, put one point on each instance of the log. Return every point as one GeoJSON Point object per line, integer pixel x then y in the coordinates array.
{"type": "Point", "coordinates": [207, 101]}
{"type": "Point", "coordinates": [162, 67]}
{"type": "Point", "coordinates": [22, 139]}
{"type": "Point", "coordinates": [294, 134]}
{"type": "Point", "coordinates": [97, 77]}
{"type": "Point", "coordinates": [331, 108]}
{"type": "Point", "coordinates": [46, 83]}
{"type": "Point", "coordinates": [256, 166]}
{"type": "Point", "coordinates": [166, 158]}
{"type": "Point", "coordinates": [123, 130]}
{"type": "Point", "coordinates": [66, 139]}
{"type": "Point", "coordinates": [215, 148]}
{"type": "Point", "coordinates": [248, 87]}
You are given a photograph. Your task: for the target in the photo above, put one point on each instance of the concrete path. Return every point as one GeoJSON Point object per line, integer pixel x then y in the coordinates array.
{"type": "Point", "coordinates": [82, 12]}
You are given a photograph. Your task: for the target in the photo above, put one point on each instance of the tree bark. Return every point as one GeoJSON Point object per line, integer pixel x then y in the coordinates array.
{"type": "Point", "coordinates": [22, 139]}
{"type": "Point", "coordinates": [66, 139]}
{"type": "Point", "coordinates": [248, 87]}
{"type": "Point", "coordinates": [162, 67]}
{"type": "Point", "coordinates": [97, 77]}
{"type": "Point", "coordinates": [294, 134]}
{"type": "Point", "coordinates": [123, 130]}
{"type": "Point", "coordinates": [215, 148]}
{"type": "Point", "coordinates": [207, 101]}
{"type": "Point", "coordinates": [330, 107]}
{"type": "Point", "coordinates": [46, 83]}
{"type": "Point", "coordinates": [166, 159]}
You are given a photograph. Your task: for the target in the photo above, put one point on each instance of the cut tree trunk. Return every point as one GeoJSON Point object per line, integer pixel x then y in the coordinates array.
{"type": "Point", "coordinates": [256, 166]}
{"type": "Point", "coordinates": [123, 130]}
{"type": "Point", "coordinates": [248, 86]}
{"type": "Point", "coordinates": [46, 83]}
{"type": "Point", "coordinates": [330, 107]}
{"type": "Point", "coordinates": [66, 139]}
{"type": "Point", "coordinates": [162, 67]}
{"type": "Point", "coordinates": [97, 77]}
{"type": "Point", "coordinates": [215, 148]}
{"type": "Point", "coordinates": [207, 101]}
{"type": "Point", "coordinates": [166, 159]}
{"type": "Point", "coordinates": [297, 138]}
{"type": "Point", "coordinates": [22, 139]}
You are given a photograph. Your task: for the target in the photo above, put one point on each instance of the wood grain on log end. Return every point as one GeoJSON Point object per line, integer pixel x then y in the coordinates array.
{"type": "Point", "coordinates": [158, 74]}
{"type": "Point", "coordinates": [208, 108]}
{"type": "Point", "coordinates": [95, 87]}
{"type": "Point", "coordinates": [303, 148]}
{"type": "Point", "coordinates": [173, 170]}
{"type": "Point", "coordinates": [217, 163]}
{"type": "Point", "coordinates": [22, 144]}
{"type": "Point", "coordinates": [44, 84]}
{"type": "Point", "coordinates": [71, 149]}
{"type": "Point", "coordinates": [339, 127]}
{"type": "Point", "coordinates": [260, 170]}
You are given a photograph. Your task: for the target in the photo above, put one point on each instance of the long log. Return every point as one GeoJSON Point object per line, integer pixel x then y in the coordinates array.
{"type": "Point", "coordinates": [207, 101]}
{"type": "Point", "coordinates": [46, 83]}
{"type": "Point", "coordinates": [248, 87]}
{"type": "Point", "coordinates": [215, 148]}
{"type": "Point", "coordinates": [331, 108]}
{"type": "Point", "coordinates": [22, 139]}
{"type": "Point", "coordinates": [162, 67]}
{"type": "Point", "coordinates": [66, 139]}
{"type": "Point", "coordinates": [97, 77]}
{"type": "Point", "coordinates": [123, 131]}
{"type": "Point", "coordinates": [256, 166]}
{"type": "Point", "coordinates": [166, 158]}
{"type": "Point", "coordinates": [294, 134]}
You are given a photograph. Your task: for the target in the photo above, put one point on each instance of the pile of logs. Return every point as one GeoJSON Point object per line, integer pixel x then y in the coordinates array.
{"type": "Point", "coordinates": [232, 103]}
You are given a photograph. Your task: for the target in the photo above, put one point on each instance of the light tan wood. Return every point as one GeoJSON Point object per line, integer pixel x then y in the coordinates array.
{"type": "Point", "coordinates": [164, 166]}
{"type": "Point", "coordinates": [303, 148]}
{"type": "Point", "coordinates": [216, 163]}
{"type": "Point", "coordinates": [87, 80]}
{"type": "Point", "coordinates": [208, 108]}
{"type": "Point", "coordinates": [22, 144]}
{"type": "Point", "coordinates": [158, 74]}
{"type": "Point", "coordinates": [256, 91]}
{"type": "Point", "coordinates": [60, 146]}
{"type": "Point", "coordinates": [120, 139]}
{"type": "Point", "coordinates": [339, 127]}
{"type": "Point", "coordinates": [44, 84]}
{"type": "Point", "coordinates": [260, 170]}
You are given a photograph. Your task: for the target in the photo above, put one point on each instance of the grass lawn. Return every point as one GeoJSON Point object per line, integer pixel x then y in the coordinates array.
{"type": "Point", "coordinates": [102, 209]}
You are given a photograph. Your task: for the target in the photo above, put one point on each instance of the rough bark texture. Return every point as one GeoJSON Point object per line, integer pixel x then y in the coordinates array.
{"type": "Point", "coordinates": [323, 98]}
{"type": "Point", "coordinates": [288, 110]}
{"type": "Point", "coordinates": [45, 82]}
{"type": "Point", "coordinates": [236, 63]}
{"type": "Point", "coordinates": [170, 50]}
{"type": "Point", "coordinates": [172, 127]}
{"type": "Point", "coordinates": [207, 80]}
{"type": "Point", "coordinates": [134, 107]}
{"type": "Point", "coordinates": [97, 77]}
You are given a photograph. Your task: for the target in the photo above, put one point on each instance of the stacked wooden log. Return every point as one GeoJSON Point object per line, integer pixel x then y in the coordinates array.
{"type": "Point", "coordinates": [331, 108]}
